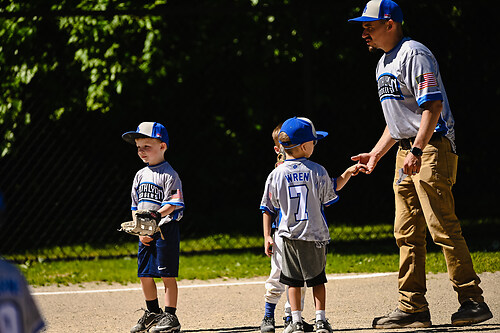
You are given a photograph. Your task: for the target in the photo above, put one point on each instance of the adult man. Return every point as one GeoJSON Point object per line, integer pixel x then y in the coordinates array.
{"type": "Point", "coordinates": [419, 119]}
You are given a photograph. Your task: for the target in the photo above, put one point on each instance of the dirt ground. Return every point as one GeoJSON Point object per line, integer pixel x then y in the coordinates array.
{"type": "Point", "coordinates": [237, 305]}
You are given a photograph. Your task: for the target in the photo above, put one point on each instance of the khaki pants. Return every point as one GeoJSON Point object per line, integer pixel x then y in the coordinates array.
{"type": "Point", "coordinates": [426, 200]}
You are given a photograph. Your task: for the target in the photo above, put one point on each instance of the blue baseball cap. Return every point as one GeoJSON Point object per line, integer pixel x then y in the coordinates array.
{"type": "Point", "coordinates": [380, 9]}
{"type": "Point", "coordinates": [147, 130]}
{"type": "Point", "coordinates": [301, 130]}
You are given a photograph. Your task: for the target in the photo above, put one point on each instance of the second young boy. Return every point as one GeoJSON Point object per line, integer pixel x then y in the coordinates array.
{"type": "Point", "coordinates": [299, 189]}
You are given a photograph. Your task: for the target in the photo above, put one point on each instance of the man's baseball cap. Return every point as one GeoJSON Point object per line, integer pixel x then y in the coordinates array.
{"type": "Point", "coordinates": [301, 130]}
{"type": "Point", "coordinates": [379, 10]}
{"type": "Point", "coordinates": [147, 130]}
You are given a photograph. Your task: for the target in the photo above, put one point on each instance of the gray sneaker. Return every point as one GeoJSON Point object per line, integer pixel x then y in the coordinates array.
{"type": "Point", "coordinates": [398, 319]}
{"type": "Point", "coordinates": [167, 324]}
{"type": "Point", "coordinates": [323, 326]}
{"type": "Point", "coordinates": [147, 320]}
{"type": "Point", "coordinates": [471, 312]}
{"type": "Point", "coordinates": [267, 325]}
{"type": "Point", "coordinates": [294, 328]}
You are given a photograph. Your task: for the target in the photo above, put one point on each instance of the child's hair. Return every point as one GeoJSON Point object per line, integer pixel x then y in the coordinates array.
{"type": "Point", "coordinates": [285, 142]}
{"type": "Point", "coordinates": [276, 133]}
{"type": "Point", "coordinates": [281, 154]}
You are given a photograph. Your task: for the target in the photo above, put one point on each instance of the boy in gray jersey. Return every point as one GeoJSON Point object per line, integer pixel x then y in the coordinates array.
{"type": "Point", "coordinates": [273, 245]}
{"type": "Point", "coordinates": [297, 191]}
{"type": "Point", "coordinates": [158, 189]}
{"type": "Point", "coordinates": [419, 119]}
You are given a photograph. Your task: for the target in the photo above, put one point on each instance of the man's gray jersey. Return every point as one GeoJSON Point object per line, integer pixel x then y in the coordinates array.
{"type": "Point", "coordinates": [18, 311]}
{"type": "Point", "coordinates": [407, 77]}
{"type": "Point", "coordinates": [297, 191]}
{"type": "Point", "coordinates": [156, 186]}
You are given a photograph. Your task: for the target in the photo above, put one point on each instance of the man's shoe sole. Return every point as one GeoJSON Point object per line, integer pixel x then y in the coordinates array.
{"type": "Point", "coordinates": [415, 324]}
{"type": "Point", "coordinates": [472, 321]}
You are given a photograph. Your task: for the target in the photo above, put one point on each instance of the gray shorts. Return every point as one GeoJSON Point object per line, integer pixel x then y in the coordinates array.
{"type": "Point", "coordinates": [303, 261]}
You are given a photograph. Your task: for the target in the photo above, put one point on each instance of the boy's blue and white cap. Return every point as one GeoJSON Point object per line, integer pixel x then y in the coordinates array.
{"type": "Point", "coordinates": [147, 130]}
{"type": "Point", "coordinates": [380, 9]}
{"type": "Point", "coordinates": [301, 130]}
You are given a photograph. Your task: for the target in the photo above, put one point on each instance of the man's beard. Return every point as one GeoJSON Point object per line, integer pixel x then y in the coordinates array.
{"type": "Point", "coordinates": [372, 49]}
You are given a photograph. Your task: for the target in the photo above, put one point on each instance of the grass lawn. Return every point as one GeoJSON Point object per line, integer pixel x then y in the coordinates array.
{"type": "Point", "coordinates": [227, 265]}
{"type": "Point", "coordinates": [356, 249]}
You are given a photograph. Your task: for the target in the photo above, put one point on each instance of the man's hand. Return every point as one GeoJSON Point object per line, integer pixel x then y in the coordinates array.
{"type": "Point", "coordinates": [366, 159]}
{"type": "Point", "coordinates": [412, 164]}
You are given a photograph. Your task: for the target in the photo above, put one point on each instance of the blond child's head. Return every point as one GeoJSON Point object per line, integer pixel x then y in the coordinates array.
{"type": "Point", "coordinates": [278, 149]}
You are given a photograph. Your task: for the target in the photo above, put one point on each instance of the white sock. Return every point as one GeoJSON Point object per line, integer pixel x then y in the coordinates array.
{"type": "Point", "coordinates": [320, 315]}
{"type": "Point", "coordinates": [296, 316]}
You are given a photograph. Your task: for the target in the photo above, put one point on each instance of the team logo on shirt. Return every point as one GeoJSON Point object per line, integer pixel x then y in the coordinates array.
{"type": "Point", "coordinates": [388, 87]}
{"type": "Point", "coordinates": [150, 192]}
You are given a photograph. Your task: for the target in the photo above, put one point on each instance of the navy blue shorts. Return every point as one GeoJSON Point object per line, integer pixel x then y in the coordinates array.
{"type": "Point", "coordinates": [161, 257]}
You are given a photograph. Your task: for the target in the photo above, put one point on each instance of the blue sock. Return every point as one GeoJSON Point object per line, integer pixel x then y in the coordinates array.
{"type": "Point", "coordinates": [270, 310]}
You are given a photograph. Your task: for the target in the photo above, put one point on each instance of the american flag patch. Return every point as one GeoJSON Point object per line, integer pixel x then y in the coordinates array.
{"type": "Point", "coordinates": [426, 80]}
{"type": "Point", "coordinates": [176, 194]}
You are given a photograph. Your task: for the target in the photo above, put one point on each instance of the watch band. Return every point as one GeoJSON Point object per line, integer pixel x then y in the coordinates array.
{"type": "Point", "coordinates": [416, 151]}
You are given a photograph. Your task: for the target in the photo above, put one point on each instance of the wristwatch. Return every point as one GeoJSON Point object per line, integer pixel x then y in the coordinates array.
{"type": "Point", "coordinates": [416, 151]}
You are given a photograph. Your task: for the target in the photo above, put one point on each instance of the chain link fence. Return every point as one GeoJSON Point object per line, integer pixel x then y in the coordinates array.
{"type": "Point", "coordinates": [65, 189]}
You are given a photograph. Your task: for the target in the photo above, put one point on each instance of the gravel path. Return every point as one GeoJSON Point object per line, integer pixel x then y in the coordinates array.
{"type": "Point", "coordinates": [237, 305]}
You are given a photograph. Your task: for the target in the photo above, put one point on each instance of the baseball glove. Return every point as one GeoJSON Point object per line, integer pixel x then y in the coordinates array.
{"type": "Point", "coordinates": [145, 223]}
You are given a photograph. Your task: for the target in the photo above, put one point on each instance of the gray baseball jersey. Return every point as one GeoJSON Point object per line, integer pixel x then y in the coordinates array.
{"type": "Point", "coordinates": [18, 311]}
{"type": "Point", "coordinates": [297, 191]}
{"type": "Point", "coordinates": [156, 186]}
{"type": "Point", "coordinates": [407, 77]}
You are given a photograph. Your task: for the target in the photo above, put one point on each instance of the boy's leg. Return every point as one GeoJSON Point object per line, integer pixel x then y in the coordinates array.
{"type": "Point", "coordinates": [168, 263]}
{"type": "Point", "coordinates": [150, 294]}
{"type": "Point", "coordinates": [319, 293]}
{"type": "Point", "coordinates": [169, 321]}
{"type": "Point", "coordinates": [171, 292]}
{"type": "Point", "coordinates": [148, 288]}
{"type": "Point", "coordinates": [274, 288]}
{"type": "Point", "coordinates": [153, 314]}
{"type": "Point", "coordinates": [291, 275]}
{"type": "Point", "coordinates": [294, 294]}
{"type": "Point", "coordinates": [322, 325]}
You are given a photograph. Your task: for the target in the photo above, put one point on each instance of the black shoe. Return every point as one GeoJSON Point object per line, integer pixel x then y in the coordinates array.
{"type": "Point", "coordinates": [323, 326]}
{"type": "Point", "coordinates": [147, 320]}
{"type": "Point", "coordinates": [267, 325]}
{"type": "Point", "coordinates": [294, 328]}
{"type": "Point", "coordinates": [307, 327]}
{"type": "Point", "coordinates": [167, 324]}
{"type": "Point", "coordinates": [398, 319]}
{"type": "Point", "coordinates": [471, 312]}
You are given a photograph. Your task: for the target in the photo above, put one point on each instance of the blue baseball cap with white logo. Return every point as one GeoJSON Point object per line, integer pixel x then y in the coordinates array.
{"type": "Point", "coordinates": [379, 10]}
{"type": "Point", "coordinates": [301, 130]}
{"type": "Point", "coordinates": [147, 130]}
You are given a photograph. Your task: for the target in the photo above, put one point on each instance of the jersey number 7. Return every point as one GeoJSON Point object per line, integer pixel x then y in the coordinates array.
{"type": "Point", "coordinates": [298, 194]}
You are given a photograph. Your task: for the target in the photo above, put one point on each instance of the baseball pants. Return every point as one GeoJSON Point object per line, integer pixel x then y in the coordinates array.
{"type": "Point", "coordinates": [425, 200]}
